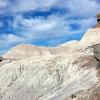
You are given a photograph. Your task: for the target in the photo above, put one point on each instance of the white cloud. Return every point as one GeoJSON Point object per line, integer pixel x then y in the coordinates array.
{"type": "Point", "coordinates": [25, 5]}
{"type": "Point", "coordinates": [75, 7]}
{"type": "Point", "coordinates": [9, 39]}
{"type": "Point", "coordinates": [39, 24]}
{"type": "Point", "coordinates": [88, 23]}
{"type": "Point", "coordinates": [3, 3]}
{"type": "Point", "coordinates": [85, 8]}
{"type": "Point", "coordinates": [53, 26]}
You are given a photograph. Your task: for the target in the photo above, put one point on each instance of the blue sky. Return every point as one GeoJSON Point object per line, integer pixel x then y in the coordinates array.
{"type": "Point", "coordinates": [45, 22]}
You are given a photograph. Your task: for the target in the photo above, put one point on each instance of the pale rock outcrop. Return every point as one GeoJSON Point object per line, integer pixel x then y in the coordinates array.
{"type": "Point", "coordinates": [47, 78]}
{"type": "Point", "coordinates": [98, 21]}
{"type": "Point", "coordinates": [23, 51]}
{"type": "Point", "coordinates": [96, 50]}
{"type": "Point", "coordinates": [92, 36]}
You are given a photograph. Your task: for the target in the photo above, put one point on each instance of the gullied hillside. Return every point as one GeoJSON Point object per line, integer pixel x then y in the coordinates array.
{"type": "Point", "coordinates": [66, 72]}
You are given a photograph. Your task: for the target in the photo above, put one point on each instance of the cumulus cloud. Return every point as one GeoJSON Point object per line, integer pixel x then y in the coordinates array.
{"type": "Point", "coordinates": [38, 24]}
{"type": "Point", "coordinates": [14, 6]}
{"type": "Point", "coordinates": [11, 38]}
{"type": "Point", "coordinates": [7, 41]}
{"type": "Point", "coordinates": [51, 27]}
{"type": "Point", "coordinates": [3, 3]}
{"type": "Point", "coordinates": [75, 7]}
{"type": "Point", "coordinates": [83, 7]}
{"type": "Point", "coordinates": [25, 5]}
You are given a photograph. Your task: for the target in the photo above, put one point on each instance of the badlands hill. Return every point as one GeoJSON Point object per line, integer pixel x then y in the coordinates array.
{"type": "Point", "coordinates": [67, 72]}
{"type": "Point", "coordinates": [28, 50]}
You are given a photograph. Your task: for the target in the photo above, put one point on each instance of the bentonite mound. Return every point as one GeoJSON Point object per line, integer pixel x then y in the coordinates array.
{"type": "Point", "coordinates": [23, 51]}
{"type": "Point", "coordinates": [26, 50]}
{"type": "Point", "coordinates": [47, 78]}
{"type": "Point", "coordinates": [66, 72]}
{"type": "Point", "coordinates": [91, 37]}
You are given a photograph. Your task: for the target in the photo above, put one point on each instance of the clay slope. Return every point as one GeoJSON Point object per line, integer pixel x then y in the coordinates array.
{"type": "Point", "coordinates": [47, 78]}
{"type": "Point", "coordinates": [92, 36]}
{"type": "Point", "coordinates": [23, 51]}
{"type": "Point", "coordinates": [26, 50]}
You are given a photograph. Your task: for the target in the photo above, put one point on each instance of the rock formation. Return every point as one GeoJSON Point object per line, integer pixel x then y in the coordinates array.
{"type": "Point", "coordinates": [23, 51]}
{"type": "Point", "coordinates": [1, 59]}
{"type": "Point", "coordinates": [98, 20]}
{"type": "Point", "coordinates": [92, 36]}
{"type": "Point", "coordinates": [68, 72]}
{"type": "Point", "coordinates": [96, 50]}
{"type": "Point", "coordinates": [27, 50]}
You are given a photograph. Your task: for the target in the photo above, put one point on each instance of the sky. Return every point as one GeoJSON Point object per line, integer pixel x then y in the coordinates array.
{"type": "Point", "coordinates": [45, 22]}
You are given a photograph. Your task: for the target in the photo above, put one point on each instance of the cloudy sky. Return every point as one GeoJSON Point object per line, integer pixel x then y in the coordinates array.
{"type": "Point", "coordinates": [45, 22]}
